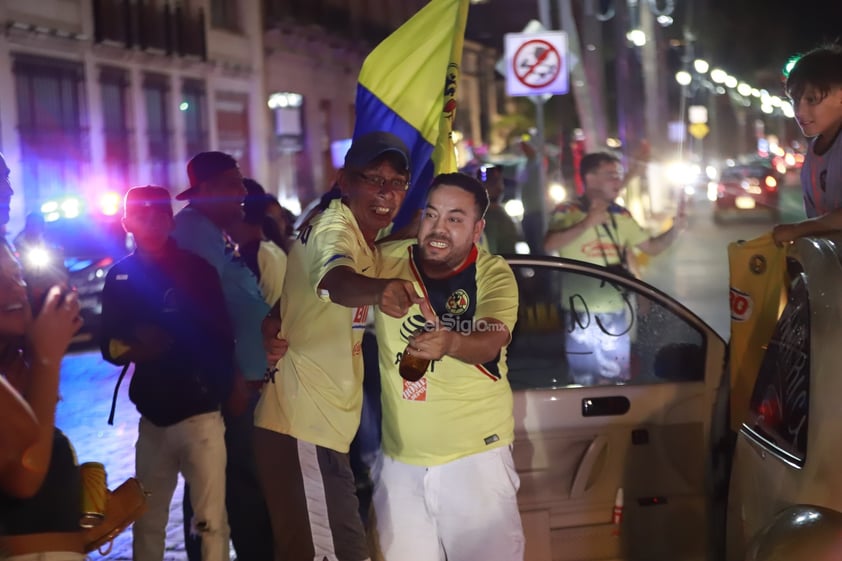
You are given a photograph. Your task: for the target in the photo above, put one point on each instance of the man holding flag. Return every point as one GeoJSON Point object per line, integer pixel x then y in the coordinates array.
{"type": "Point", "coordinates": [407, 86]}
{"type": "Point", "coordinates": [310, 410]}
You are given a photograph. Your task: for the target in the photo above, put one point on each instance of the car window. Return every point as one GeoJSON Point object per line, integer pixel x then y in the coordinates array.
{"type": "Point", "coordinates": [576, 329]}
{"type": "Point", "coordinates": [780, 400]}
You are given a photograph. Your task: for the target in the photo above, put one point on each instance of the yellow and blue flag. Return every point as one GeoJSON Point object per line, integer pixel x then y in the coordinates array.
{"type": "Point", "coordinates": [407, 86]}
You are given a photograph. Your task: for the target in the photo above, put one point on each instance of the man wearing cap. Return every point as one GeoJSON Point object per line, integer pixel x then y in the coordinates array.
{"type": "Point", "coordinates": [163, 309]}
{"type": "Point", "coordinates": [215, 200]}
{"type": "Point", "coordinates": [308, 414]}
{"type": "Point", "coordinates": [265, 258]}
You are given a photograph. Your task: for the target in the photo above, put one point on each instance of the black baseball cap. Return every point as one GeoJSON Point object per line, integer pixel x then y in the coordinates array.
{"type": "Point", "coordinates": [146, 197]}
{"type": "Point", "coordinates": [204, 166]}
{"type": "Point", "coordinates": [255, 203]}
{"type": "Point", "coordinates": [371, 146]}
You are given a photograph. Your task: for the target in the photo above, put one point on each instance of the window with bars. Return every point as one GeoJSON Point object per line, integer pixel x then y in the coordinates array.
{"type": "Point", "coordinates": [225, 14]}
{"type": "Point", "coordinates": [193, 108]}
{"type": "Point", "coordinates": [53, 127]}
{"type": "Point", "coordinates": [158, 130]}
{"type": "Point", "coordinates": [114, 85]}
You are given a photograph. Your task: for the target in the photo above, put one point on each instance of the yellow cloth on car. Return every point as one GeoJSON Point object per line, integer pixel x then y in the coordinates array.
{"type": "Point", "coordinates": [758, 289]}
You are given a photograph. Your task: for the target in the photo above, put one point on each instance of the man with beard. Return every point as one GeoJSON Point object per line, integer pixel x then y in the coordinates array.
{"type": "Point", "coordinates": [445, 486]}
{"type": "Point", "coordinates": [310, 410]}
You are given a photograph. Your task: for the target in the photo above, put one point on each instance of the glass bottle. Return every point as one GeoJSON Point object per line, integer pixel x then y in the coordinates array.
{"type": "Point", "coordinates": [412, 368]}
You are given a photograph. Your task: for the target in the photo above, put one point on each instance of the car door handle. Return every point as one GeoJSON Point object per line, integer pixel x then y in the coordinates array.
{"type": "Point", "coordinates": [586, 466]}
{"type": "Point", "coordinates": [605, 406]}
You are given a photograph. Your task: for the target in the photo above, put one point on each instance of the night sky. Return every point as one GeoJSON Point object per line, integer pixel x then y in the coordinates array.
{"type": "Point", "coordinates": [744, 37]}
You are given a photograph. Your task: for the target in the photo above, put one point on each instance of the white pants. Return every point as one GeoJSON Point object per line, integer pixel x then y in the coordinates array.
{"type": "Point", "coordinates": [465, 510]}
{"type": "Point", "coordinates": [196, 448]}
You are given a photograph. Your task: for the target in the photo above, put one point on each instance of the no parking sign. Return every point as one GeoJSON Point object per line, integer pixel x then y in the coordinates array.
{"type": "Point", "coordinates": [536, 63]}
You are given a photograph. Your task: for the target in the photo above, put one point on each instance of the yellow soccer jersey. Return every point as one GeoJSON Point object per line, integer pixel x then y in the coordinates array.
{"type": "Point", "coordinates": [456, 409]}
{"type": "Point", "coordinates": [317, 392]}
{"type": "Point", "coordinates": [272, 262]}
{"type": "Point", "coordinates": [600, 245]}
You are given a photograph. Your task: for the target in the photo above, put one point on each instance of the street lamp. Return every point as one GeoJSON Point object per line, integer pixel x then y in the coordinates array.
{"type": "Point", "coordinates": [683, 77]}
{"type": "Point", "coordinates": [637, 37]}
{"type": "Point", "coordinates": [744, 89]}
{"type": "Point", "coordinates": [701, 66]}
{"type": "Point", "coordinates": [718, 75]}
{"type": "Point", "coordinates": [789, 112]}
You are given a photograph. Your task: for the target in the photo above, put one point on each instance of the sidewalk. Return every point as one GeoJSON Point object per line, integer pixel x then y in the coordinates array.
{"type": "Point", "coordinates": [87, 386]}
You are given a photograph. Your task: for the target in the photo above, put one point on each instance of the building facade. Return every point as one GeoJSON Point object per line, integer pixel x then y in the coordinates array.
{"type": "Point", "coordinates": [99, 95]}
{"type": "Point", "coordinates": [314, 51]}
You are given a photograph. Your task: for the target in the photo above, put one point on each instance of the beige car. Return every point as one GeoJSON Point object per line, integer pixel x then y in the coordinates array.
{"type": "Point", "coordinates": [786, 484]}
{"type": "Point", "coordinates": [618, 410]}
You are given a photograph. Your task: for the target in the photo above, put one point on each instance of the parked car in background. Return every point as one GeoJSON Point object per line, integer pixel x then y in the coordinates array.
{"type": "Point", "coordinates": [748, 189]}
{"type": "Point", "coordinates": [84, 241]}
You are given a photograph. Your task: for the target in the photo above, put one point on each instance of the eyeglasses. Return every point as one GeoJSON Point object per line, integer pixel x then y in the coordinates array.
{"type": "Point", "coordinates": [381, 182]}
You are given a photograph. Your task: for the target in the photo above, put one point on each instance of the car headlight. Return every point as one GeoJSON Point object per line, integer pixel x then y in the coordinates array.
{"type": "Point", "coordinates": [37, 258]}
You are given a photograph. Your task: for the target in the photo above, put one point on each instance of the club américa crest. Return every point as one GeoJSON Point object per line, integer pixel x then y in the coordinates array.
{"type": "Point", "coordinates": [450, 81]}
{"type": "Point", "coordinates": [458, 302]}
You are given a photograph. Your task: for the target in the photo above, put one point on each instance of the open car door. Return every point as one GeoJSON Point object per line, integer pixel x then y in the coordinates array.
{"type": "Point", "coordinates": [615, 390]}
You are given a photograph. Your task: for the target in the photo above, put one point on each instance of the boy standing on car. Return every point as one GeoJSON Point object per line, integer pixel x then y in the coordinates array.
{"type": "Point", "coordinates": [815, 87]}
{"type": "Point", "coordinates": [163, 309]}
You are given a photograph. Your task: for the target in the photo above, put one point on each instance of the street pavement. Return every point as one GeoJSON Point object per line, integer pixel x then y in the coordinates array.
{"type": "Point", "coordinates": [694, 271]}
{"type": "Point", "coordinates": [87, 385]}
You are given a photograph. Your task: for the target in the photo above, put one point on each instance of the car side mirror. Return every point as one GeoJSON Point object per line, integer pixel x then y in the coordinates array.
{"type": "Point", "coordinates": [680, 362]}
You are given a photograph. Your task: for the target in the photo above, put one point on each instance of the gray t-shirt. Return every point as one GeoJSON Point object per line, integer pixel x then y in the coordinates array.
{"type": "Point", "coordinates": [821, 179]}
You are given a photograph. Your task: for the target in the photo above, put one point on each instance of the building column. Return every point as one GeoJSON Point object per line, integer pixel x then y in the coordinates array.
{"type": "Point", "coordinates": [139, 126]}
{"type": "Point", "coordinates": [96, 126]}
{"type": "Point", "coordinates": [179, 133]}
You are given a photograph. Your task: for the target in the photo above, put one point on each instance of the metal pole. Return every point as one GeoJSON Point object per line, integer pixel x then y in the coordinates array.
{"type": "Point", "coordinates": [579, 85]}
{"type": "Point", "coordinates": [541, 219]}
{"type": "Point", "coordinates": [544, 13]}
{"type": "Point", "coordinates": [649, 53]}
{"type": "Point", "coordinates": [594, 64]}
{"type": "Point", "coordinates": [625, 127]}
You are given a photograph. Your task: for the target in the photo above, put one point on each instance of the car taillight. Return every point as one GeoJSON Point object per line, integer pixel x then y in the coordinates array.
{"type": "Point", "coordinates": [770, 411]}
{"type": "Point", "coordinates": [771, 183]}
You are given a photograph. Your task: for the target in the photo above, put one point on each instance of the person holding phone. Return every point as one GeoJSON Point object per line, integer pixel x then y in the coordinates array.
{"type": "Point", "coordinates": [40, 490]}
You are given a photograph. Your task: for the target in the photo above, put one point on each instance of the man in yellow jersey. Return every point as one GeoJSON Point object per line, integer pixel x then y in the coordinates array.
{"type": "Point", "coordinates": [309, 410]}
{"type": "Point", "coordinates": [596, 229]}
{"type": "Point", "coordinates": [445, 486]}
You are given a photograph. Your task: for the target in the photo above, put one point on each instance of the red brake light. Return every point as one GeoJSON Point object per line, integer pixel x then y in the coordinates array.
{"type": "Point", "coordinates": [770, 411]}
{"type": "Point", "coordinates": [771, 183]}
